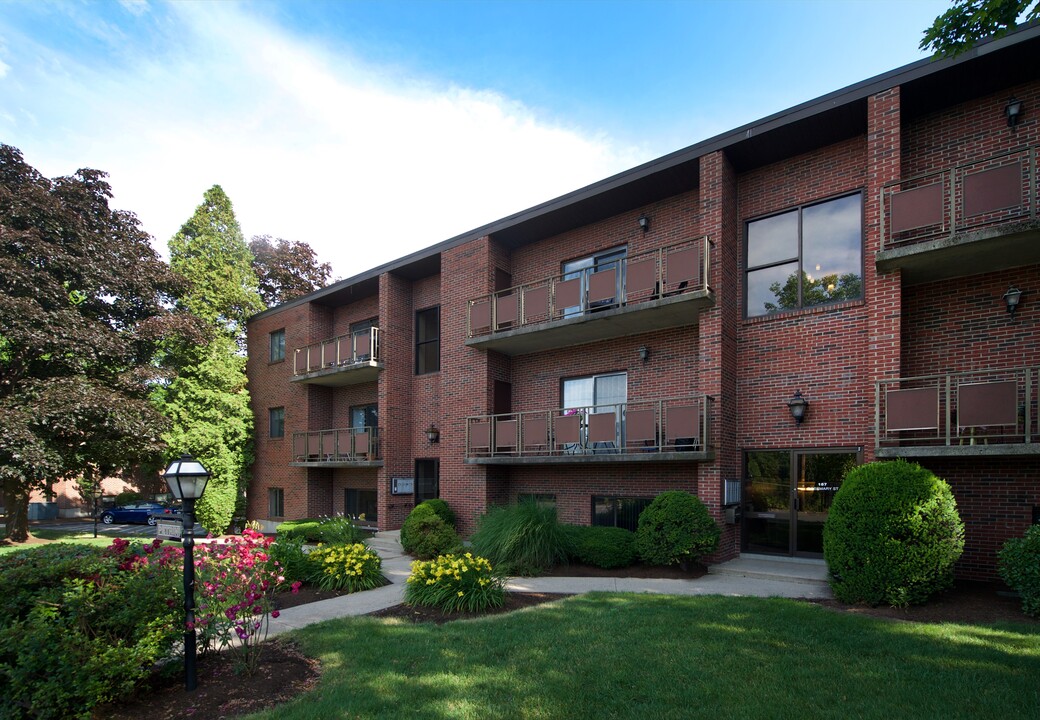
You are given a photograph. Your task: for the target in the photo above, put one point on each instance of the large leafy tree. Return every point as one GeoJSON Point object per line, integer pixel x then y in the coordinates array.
{"type": "Point", "coordinates": [286, 269]}
{"type": "Point", "coordinates": [969, 21]}
{"type": "Point", "coordinates": [208, 403]}
{"type": "Point", "coordinates": [84, 303]}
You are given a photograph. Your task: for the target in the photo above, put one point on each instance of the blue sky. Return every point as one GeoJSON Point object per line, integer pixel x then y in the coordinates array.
{"type": "Point", "coordinates": [373, 129]}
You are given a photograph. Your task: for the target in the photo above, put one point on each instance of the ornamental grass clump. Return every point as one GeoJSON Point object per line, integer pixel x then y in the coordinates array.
{"type": "Point", "coordinates": [351, 567]}
{"type": "Point", "coordinates": [523, 539]}
{"type": "Point", "coordinates": [455, 583]}
{"type": "Point", "coordinates": [892, 535]}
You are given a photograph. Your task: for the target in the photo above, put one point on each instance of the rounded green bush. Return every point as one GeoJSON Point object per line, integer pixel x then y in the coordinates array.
{"type": "Point", "coordinates": [675, 528]}
{"type": "Point", "coordinates": [892, 535]}
{"type": "Point", "coordinates": [605, 547]}
{"type": "Point", "coordinates": [440, 507]}
{"type": "Point", "coordinates": [425, 534]}
{"type": "Point", "coordinates": [1020, 568]}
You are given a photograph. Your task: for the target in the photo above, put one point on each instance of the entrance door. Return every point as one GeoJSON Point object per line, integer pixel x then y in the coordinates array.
{"type": "Point", "coordinates": [787, 495]}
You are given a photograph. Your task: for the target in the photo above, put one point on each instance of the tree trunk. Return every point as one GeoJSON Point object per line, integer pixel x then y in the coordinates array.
{"type": "Point", "coordinates": [17, 508]}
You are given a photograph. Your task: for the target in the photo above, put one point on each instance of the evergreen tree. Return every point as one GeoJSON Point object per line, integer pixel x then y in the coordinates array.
{"type": "Point", "coordinates": [208, 403]}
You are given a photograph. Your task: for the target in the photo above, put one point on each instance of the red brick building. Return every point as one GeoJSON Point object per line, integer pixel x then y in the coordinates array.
{"type": "Point", "coordinates": [662, 328]}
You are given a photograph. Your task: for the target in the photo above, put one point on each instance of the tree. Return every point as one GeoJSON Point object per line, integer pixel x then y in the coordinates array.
{"type": "Point", "coordinates": [210, 252]}
{"type": "Point", "coordinates": [207, 403]}
{"type": "Point", "coordinates": [286, 269]}
{"type": "Point", "coordinates": [84, 302]}
{"type": "Point", "coordinates": [815, 291]}
{"type": "Point", "coordinates": [969, 21]}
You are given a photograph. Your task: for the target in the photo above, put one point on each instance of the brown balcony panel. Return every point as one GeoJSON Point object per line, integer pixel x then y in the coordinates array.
{"type": "Point", "coordinates": [914, 409]}
{"type": "Point", "coordinates": [361, 443]}
{"type": "Point", "coordinates": [480, 436]}
{"type": "Point", "coordinates": [683, 266]}
{"type": "Point", "coordinates": [506, 310]}
{"type": "Point", "coordinates": [536, 304]}
{"type": "Point", "coordinates": [991, 190]}
{"type": "Point", "coordinates": [363, 344]}
{"type": "Point", "coordinates": [987, 404]}
{"type": "Point", "coordinates": [916, 208]}
{"type": "Point", "coordinates": [603, 427]}
{"type": "Point", "coordinates": [640, 426]}
{"type": "Point", "coordinates": [641, 277]}
{"type": "Point", "coordinates": [681, 423]}
{"type": "Point", "coordinates": [568, 430]}
{"type": "Point", "coordinates": [505, 434]}
{"type": "Point", "coordinates": [603, 286]}
{"type": "Point", "coordinates": [536, 433]}
{"type": "Point", "coordinates": [568, 294]}
{"type": "Point", "coordinates": [480, 317]}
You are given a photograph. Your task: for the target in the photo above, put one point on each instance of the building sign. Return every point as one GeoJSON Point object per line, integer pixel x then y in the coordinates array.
{"type": "Point", "coordinates": [168, 528]}
{"type": "Point", "coordinates": [402, 486]}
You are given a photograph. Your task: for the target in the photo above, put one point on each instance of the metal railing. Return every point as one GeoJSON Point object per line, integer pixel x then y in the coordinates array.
{"type": "Point", "coordinates": [994, 190]}
{"type": "Point", "coordinates": [673, 270]}
{"type": "Point", "coordinates": [979, 407]}
{"type": "Point", "coordinates": [681, 424]}
{"type": "Point", "coordinates": [337, 446]}
{"type": "Point", "coordinates": [343, 351]}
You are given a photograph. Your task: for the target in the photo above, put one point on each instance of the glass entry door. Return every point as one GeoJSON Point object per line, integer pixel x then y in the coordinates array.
{"type": "Point", "coordinates": [787, 495]}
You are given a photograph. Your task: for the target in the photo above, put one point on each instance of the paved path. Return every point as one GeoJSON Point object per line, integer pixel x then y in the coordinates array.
{"type": "Point", "coordinates": [749, 575]}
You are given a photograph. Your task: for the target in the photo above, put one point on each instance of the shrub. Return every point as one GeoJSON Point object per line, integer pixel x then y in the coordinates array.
{"type": "Point", "coordinates": [1020, 568]}
{"type": "Point", "coordinates": [523, 539]}
{"type": "Point", "coordinates": [330, 530]}
{"type": "Point", "coordinates": [675, 528]}
{"type": "Point", "coordinates": [295, 564]}
{"type": "Point", "coordinates": [89, 636]}
{"type": "Point", "coordinates": [426, 534]}
{"type": "Point", "coordinates": [605, 547]}
{"type": "Point", "coordinates": [347, 567]}
{"type": "Point", "coordinates": [440, 507]}
{"type": "Point", "coordinates": [128, 497]}
{"type": "Point", "coordinates": [455, 582]}
{"type": "Point", "coordinates": [307, 529]}
{"type": "Point", "coordinates": [892, 535]}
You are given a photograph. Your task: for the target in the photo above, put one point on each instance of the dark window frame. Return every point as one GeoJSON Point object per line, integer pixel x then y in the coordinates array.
{"type": "Point", "coordinates": [421, 343]}
{"type": "Point", "coordinates": [365, 408]}
{"type": "Point", "coordinates": [279, 356]}
{"type": "Point", "coordinates": [800, 258]}
{"type": "Point", "coordinates": [272, 413]}
{"type": "Point", "coordinates": [614, 501]}
{"type": "Point", "coordinates": [435, 464]}
{"type": "Point", "coordinates": [275, 502]}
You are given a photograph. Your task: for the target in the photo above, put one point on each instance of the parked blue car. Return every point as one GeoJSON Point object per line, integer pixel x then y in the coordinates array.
{"type": "Point", "coordinates": [137, 513]}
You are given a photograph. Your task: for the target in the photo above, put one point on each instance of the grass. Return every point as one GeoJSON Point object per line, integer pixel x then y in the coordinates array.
{"type": "Point", "coordinates": [648, 656]}
{"type": "Point", "coordinates": [85, 537]}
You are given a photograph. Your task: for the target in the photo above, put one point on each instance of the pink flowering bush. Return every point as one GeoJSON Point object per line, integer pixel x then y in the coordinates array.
{"type": "Point", "coordinates": [235, 582]}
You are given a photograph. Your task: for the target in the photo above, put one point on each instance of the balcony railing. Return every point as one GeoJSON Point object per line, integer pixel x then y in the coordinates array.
{"type": "Point", "coordinates": [358, 348]}
{"type": "Point", "coordinates": [958, 410]}
{"type": "Point", "coordinates": [639, 430]}
{"type": "Point", "coordinates": [342, 446]}
{"type": "Point", "coordinates": [983, 193]}
{"type": "Point", "coordinates": [666, 272]}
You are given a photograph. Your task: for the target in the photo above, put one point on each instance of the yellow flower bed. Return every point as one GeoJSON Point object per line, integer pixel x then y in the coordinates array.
{"type": "Point", "coordinates": [350, 567]}
{"type": "Point", "coordinates": [455, 582]}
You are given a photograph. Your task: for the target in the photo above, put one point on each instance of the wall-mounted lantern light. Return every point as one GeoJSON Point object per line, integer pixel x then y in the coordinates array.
{"type": "Point", "coordinates": [644, 353]}
{"type": "Point", "coordinates": [433, 435]}
{"type": "Point", "coordinates": [1013, 111]}
{"type": "Point", "coordinates": [1012, 298]}
{"type": "Point", "coordinates": [644, 223]}
{"type": "Point", "coordinates": [797, 405]}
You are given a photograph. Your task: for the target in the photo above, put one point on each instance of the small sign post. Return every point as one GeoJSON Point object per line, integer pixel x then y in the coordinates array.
{"type": "Point", "coordinates": [168, 528]}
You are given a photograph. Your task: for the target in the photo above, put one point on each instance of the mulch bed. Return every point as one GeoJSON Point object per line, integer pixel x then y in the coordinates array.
{"type": "Point", "coordinates": [285, 673]}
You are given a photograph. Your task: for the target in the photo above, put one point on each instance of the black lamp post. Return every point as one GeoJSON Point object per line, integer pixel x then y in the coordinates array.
{"type": "Point", "coordinates": [187, 479]}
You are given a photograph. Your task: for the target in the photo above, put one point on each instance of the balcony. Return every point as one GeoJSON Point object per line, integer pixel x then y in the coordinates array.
{"type": "Point", "coordinates": [985, 412]}
{"type": "Point", "coordinates": [660, 289]}
{"type": "Point", "coordinates": [969, 219]}
{"type": "Point", "coordinates": [671, 430]}
{"type": "Point", "coordinates": [345, 360]}
{"type": "Point", "coordinates": [343, 448]}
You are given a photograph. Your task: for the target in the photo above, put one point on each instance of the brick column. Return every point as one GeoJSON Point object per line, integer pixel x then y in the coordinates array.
{"type": "Point", "coordinates": [718, 332]}
{"type": "Point", "coordinates": [883, 292]}
{"type": "Point", "coordinates": [395, 397]}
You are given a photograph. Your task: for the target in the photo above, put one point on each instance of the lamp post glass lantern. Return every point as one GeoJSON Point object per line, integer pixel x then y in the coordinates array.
{"type": "Point", "coordinates": [187, 479]}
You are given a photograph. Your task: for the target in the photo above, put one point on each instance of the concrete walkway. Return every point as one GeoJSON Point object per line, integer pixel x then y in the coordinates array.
{"type": "Point", "coordinates": [749, 575]}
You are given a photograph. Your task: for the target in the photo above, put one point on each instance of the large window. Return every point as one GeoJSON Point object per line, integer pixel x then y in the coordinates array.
{"type": "Point", "coordinates": [362, 416]}
{"type": "Point", "coordinates": [597, 395]}
{"type": "Point", "coordinates": [276, 417]}
{"type": "Point", "coordinates": [278, 345]}
{"type": "Point", "coordinates": [275, 502]}
{"type": "Point", "coordinates": [361, 504]}
{"type": "Point", "coordinates": [811, 255]}
{"type": "Point", "coordinates": [428, 341]}
{"type": "Point", "coordinates": [583, 268]}
{"type": "Point", "coordinates": [622, 512]}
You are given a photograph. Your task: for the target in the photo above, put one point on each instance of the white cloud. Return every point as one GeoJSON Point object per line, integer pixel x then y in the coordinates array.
{"type": "Point", "coordinates": [311, 144]}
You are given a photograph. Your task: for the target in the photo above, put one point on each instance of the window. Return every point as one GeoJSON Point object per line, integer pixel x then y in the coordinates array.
{"type": "Point", "coordinates": [809, 256]}
{"type": "Point", "coordinates": [275, 502]}
{"type": "Point", "coordinates": [362, 416]}
{"type": "Point", "coordinates": [278, 345]}
{"type": "Point", "coordinates": [276, 417]}
{"type": "Point", "coordinates": [582, 268]}
{"type": "Point", "coordinates": [358, 503]}
{"type": "Point", "coordinates": [428, 341]}
{"type": "Point", "coordinates": [597, 394]}
{"type": "Point", "coordinates": [622, 512]}
{"type": "Point", "coordinates": [427, 480]}
{"type": "Point", "coordinates": [359, 329]}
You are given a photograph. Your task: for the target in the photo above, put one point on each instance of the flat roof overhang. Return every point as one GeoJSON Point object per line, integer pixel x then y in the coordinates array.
{"type": "Point", "coordinates": [665, 457]}
{"type": "Point", "coordinates": [991, 249]}
{"type": "Point", "coordinates": [338, 464]}
{"type": "Point", "coordinates": [341, 376]}
{"type": "Point", "coordinates": [670, 312]}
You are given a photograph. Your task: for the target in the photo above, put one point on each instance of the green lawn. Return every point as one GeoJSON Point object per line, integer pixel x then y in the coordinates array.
{"type": "Point", "coordinates": [649, 656]}
{"type": "Point", "coordinates": [86, 538]}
